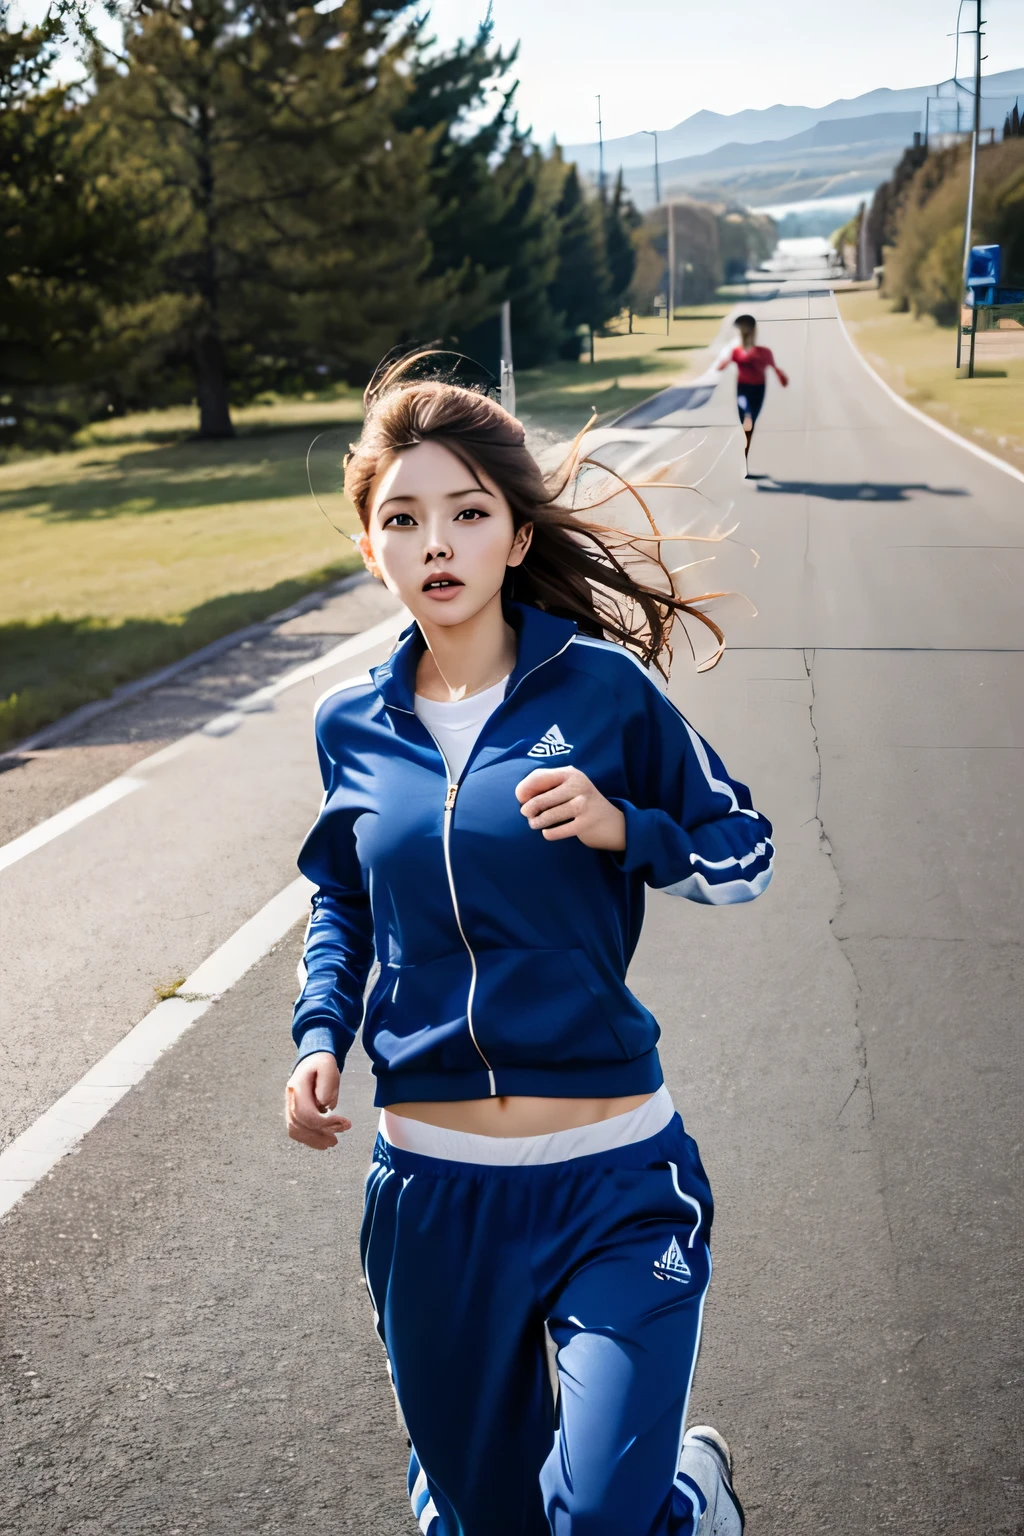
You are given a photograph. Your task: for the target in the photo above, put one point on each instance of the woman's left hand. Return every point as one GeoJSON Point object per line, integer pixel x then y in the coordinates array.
{"type": "Point", "coordinates": [562, 802]}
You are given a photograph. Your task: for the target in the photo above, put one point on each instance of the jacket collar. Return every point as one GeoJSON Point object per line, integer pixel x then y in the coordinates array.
{"type": "Point", "coordinates": [540, 636]}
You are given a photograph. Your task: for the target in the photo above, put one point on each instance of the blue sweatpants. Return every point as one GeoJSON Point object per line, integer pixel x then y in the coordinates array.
{"type": "Point", "coordinates": [470, 1269]}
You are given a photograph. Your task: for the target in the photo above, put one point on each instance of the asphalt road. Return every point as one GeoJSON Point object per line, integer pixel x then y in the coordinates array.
{"type": "Point", "coordinates": [187, 1345]}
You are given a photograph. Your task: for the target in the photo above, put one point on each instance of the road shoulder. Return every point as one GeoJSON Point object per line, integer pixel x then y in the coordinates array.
{"type": "Point", "coordinates": [38, 782]}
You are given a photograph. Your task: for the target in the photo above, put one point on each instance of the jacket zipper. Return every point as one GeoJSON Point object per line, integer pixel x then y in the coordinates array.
{"type": "Point", "coordinates": [449, 809]}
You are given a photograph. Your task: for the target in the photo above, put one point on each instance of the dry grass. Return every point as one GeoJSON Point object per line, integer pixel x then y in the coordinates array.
{"type": "Point", "coordinates": [917, 358]}
{"type": "Point", "coordinates": [165, 989]}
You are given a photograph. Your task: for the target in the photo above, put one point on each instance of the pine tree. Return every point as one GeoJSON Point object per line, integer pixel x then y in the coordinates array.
{"type": "Point", "coordinates": [580, 291]}
{"type": "Point", "coordinates": [492, 227]}
{"type": "Point", "coordinates": [292, 210]}
{"type": "Point", "coordinates": [71, 237]}
{"type": "Point", "coordinates": [620, 220]}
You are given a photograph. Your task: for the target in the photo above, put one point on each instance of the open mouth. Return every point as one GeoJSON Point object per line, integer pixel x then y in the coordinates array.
{"type": "Point", "coordinates": [441, 583]}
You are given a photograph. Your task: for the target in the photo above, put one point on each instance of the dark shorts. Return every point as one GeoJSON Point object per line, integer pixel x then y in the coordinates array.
{"type": "Point", "coordinates": [749, 400]}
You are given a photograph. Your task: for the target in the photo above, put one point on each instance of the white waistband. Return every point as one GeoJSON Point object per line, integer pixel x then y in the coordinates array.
{"type": "Point", "coordinates": [518, 1151]}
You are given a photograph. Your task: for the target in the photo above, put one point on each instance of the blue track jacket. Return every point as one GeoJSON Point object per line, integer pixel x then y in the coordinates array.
{"type": "Point", "coordinates": [503, 956]}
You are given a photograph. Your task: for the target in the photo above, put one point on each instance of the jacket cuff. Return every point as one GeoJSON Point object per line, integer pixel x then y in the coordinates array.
{"type": "Point", "coordinates": [318, 1037]}
{"type": "Point", "coordinates": [637, 854]}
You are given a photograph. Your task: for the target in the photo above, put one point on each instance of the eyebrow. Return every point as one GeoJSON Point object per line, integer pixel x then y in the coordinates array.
{"type": "Point", "coordinates": [472, 490]}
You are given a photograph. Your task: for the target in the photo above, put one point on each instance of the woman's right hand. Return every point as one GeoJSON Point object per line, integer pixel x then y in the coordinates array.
{"type": "Point", "coordinates": [309, 1098]}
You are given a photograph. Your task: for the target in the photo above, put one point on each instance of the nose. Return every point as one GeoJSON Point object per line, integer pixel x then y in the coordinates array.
{"type": "Point", "coordinates": [438, 547]}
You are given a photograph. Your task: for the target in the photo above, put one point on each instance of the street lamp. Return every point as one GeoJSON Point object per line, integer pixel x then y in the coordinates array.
{"type": "Point", "coordinates": [653, 134]}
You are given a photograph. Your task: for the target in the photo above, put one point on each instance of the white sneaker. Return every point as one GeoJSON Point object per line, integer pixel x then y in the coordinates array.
{"type": "Point", "coordinates": [705, 1466]}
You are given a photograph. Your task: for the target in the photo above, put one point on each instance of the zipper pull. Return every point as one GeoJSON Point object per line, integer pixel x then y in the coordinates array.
{"type": "Point", "coordinates": [449, 803]}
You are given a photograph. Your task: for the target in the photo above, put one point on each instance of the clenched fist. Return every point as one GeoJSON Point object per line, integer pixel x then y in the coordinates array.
{"type": "Point", "coordinates": [562, 802]}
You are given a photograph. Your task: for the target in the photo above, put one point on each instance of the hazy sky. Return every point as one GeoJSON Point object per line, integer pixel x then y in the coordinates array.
{"type": "Point", "coordinates": [656, 61]}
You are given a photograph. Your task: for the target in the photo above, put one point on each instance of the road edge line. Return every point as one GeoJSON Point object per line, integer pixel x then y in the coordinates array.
{"type": "Point", "coordinates": [48, 734]}
{"type": "Point", "coordinates": [71, 816]}
{"type": "Point", "coordinates": [929, 421]}
{"type": "Point", "coordinates": [60, 1129]}
{"type": "Point", "coordinates": [115, 789]}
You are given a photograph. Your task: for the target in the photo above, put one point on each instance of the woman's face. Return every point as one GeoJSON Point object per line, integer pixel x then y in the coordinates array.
{"type": "Point", "coordinates": [440, 536]}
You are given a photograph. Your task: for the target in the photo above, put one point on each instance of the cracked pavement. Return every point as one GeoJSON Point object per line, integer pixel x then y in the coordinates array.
{"type": "Point", "coordinates": [186, 1343]}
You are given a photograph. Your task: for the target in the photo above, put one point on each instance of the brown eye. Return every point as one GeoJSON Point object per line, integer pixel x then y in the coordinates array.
{"type": "Point", "coordinates": [469, 514]}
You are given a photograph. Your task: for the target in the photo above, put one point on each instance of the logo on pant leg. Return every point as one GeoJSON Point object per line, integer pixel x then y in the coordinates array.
{"type": "Point", "coordinates": [672, 1265]}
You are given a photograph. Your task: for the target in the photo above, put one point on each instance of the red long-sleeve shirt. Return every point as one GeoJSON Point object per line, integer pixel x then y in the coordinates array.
{"type": "Point", "coordinates": [752, 364]}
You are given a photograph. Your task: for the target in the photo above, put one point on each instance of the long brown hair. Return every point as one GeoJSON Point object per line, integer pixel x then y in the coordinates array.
{"type": "Point", "coordinates": [574, 568]}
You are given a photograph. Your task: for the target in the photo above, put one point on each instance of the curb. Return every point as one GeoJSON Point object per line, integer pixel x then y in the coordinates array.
{"type": "Point", "coordinates": [86, 712]}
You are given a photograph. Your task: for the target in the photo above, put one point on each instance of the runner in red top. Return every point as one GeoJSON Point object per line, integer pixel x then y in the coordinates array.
{"type": "Point", "coordinates": [752, 364]}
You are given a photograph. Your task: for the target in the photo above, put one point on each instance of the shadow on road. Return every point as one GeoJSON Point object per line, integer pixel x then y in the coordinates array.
{"type": "Point", "coordinates": [852, 490]}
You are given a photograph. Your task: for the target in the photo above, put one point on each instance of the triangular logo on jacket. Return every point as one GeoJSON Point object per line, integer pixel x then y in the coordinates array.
{"type": "Point", "coordinates": [551, 744]}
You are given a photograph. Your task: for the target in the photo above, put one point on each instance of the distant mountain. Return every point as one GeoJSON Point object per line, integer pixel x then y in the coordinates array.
{"type": "Point", "coordinates": [707, 131]}
{"type": "Point", "coordinates": [842, 159]}
{"type": "Point", "coordinates": [890, 127]}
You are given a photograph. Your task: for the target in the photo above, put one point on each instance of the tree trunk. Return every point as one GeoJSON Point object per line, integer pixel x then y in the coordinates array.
{"type": "Point", "coordinates": [212, 386]}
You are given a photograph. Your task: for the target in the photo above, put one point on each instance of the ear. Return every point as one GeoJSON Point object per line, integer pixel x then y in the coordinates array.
{"type": "Point", "coordinates": [520, 545]}
{"type": "Point", "coordinates": [365, 548]}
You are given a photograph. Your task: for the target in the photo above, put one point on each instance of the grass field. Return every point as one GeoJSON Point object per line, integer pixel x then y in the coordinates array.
{"type": "Point", "coordinates": [626, 370]}
{"type": "Point", "coordinates": [142, 544]}
{"type": "Point", "coordinates": [917, 358]}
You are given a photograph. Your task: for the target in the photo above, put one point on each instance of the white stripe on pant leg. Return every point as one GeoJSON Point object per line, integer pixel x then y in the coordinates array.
{"type": "Point", "coordinates": [696, 1352]}
{"type": "Point", "coordinates": [366, 1267]}
{"type": "Point", "coordinates": [419, 1488]}
{"type": "Point", "coordinates": [687, 1200]}
{"type": "Point", "coordinates": [428, 1517]}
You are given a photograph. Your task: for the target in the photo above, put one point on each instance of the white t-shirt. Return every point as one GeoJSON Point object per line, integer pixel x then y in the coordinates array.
{"type": "Point", "coordinates": [456, 724]}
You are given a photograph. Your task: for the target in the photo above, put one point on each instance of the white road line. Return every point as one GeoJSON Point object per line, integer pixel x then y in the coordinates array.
{"type": "Point", "coordinates": [61, 1128]}
{"type": "Point", "coordinates": [253, 703]}
{"type": "Point", "coordinates": [64, 820]}
{"type": "Point", "coordinates": [929, 421]}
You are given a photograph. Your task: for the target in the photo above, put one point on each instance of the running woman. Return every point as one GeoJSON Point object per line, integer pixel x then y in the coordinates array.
{"type": "Point", "coordinates": [497, 795]}
{"type": "Point", "coordinates": [752, 364]}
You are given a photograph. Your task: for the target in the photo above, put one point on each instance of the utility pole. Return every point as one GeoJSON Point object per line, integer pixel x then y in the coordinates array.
{"type": "Point", "coordinates": [970, 187]}
{"type": "Point", "coordinates": [670, 311]}
{"type": "Point", "coordinates": [600, 151]}
{"type": "Point", "coordinates": [508, 378]}
{"type": "Point", "coordinates": [653, 134]}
